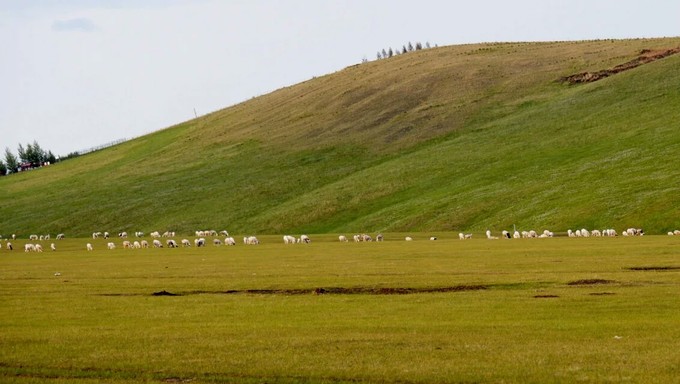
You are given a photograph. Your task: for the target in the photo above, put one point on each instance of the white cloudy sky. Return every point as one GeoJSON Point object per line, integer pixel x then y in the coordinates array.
{"type": "Point", "coordinates": [80, 73]}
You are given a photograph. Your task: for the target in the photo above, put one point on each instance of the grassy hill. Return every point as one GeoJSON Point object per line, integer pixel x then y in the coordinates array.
{"type": "Point", "coordinates": [453, 138]}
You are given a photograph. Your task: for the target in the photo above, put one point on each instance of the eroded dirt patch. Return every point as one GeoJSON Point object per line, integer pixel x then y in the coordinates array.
{"type": "Point", "coordinates": [591, 282]}
{"type": "Point", "coordinates": [316, 291]}
{"type": "Point", "coordinates": [654, 268]}
{"type": "Point", "coordinates": [601, 293]}
{"type": "Point", "coordinates": [545, 296]}
{"type": "Point", "coordinates": [645, 56]}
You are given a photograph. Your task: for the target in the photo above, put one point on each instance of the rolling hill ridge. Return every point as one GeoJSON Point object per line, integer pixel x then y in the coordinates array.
{"type": "Point", "coordinates": [453, 138]}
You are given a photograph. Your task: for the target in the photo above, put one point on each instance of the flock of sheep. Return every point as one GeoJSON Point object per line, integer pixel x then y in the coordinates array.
{"type": "Point", "coordinates": [200, 238]}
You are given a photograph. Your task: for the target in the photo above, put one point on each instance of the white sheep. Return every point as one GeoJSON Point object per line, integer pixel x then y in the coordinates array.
{"type": "Point", "coordinates": [343, 238]}
{"type": "Point", "coordinates": [186, 243]}
{"type": "Point", "coordinates": [252, 240]}
{"type": "Point", "coordinates": [516, 235]}
{"type": "Point", "coordinates": [144, 244]}
{"type": "Point", "coordinates": [408, 238]}
{"type": "Point", "coordinates": [157, 243]}
{"type": "Point", "coordinates": [305, 239]}
{"type": "Point", "coordinates": [433, 238]}
{"type": "Point", "coordinates": [88, 246]}
{"type": "Point", "coordinates": [33, 237]}
{"type": "Point", "coordinates": [111, 246]}
{"type": "Point", "coordinates": [171, 243]}
{"type": "Point", "coordinates": [29, 247]}
{"type": "Point", "coordinates": [488, 235]}
{"type": "Point", "coordinates": [200, 242]}
{"type": "Point", "coordinates": [38, 248]}
{"type": "Point", "coordinates": [60, 236]}
{"type": "Point", "coordinates": [127, 244]}
{"type": "Point", "coordinates": [505, 234]}
{"type": "Point", "coordinates": [136, 245]}
{"type": "Point", "coordinates": [53, 247]}
{"type": "Point", "coordinates": [9, 246]}
{"type": "Point", "coordinates": [217, 242]}
{"type": "Point", "coordinates": [287, 239]}
{"type": "Point", "coordinates": [229, 241]}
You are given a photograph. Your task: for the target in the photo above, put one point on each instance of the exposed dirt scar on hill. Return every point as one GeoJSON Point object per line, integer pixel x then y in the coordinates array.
{"type": "Point", "coordinates": [646, 56]}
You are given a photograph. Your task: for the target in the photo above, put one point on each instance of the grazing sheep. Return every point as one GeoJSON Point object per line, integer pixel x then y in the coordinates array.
{"type": "Point", "coordinates": [224, 233]}
{"type": "Point", "coordinates": [127, 244]}
{"type": "Point", "coordinates": [365, 237]}
{"type": "Point", "coordinates": [88, 246]}
{"type": "Point", "coordinates": [357, 238]}
{"type": "Point", "coordinates": [139, 234]}
{"type": "Point", "coordinates": [155, 234]}
{"type": "Point", "coordinates": [305, 239]}
{"type": "Point", "coordinates": [186, 243]}
{"type": "Point", "coordinates": [464, 236]}
{"type": "Point", "coordinates": [157, 243]}
{"type": "Point", "coordinates": [217, 242]}
{"type": "Point", "coordinates": [229, 241]}
{"type": "Point", "coordinates": [516, 235]}
{"type": "Point", "coordinates": [433, 238]}
{"type": "Point", "coordinates": [61, 236]}
{"type": "Point", "coordinates": [505, 234]}
{"type": "Point", "coordinates": [106, 235]}
{"type": "Point", "coordinates": [287, 239]}
{"type": "Point", "coordinates": [144, 244]}
{"type": "Point", "coordinates": [9, 246]}
{"type": "Point", "coordinates": [199, 242]}
{"type": "Point", "coordinates": [676, 232]}
{"type": "Point", "coordinates": [252, 240]}
{"type": "Point", "coordinates": [38, 248]}
{"type": "Point", "coordinates": [408, 238]}
{"type": "Point", "coordinates": [137, 245]}
{"type": "Point", "coordinates": [343, 238]}
{"type": "Point", "coordinates": [53, 247]}
{"type": "Point", "coordinates": [488, 235]}
{"type": "Point", "coordinates": [379, 237]}
{"type": "Point", "coordinates": [171, 243]}
{"type": "Point", "coordinates": [111, 246]}
{"type": "Point", "coordinates": [122, 235]}
{"type": "Point", "coordinates": [33, 237]}
{"type": "Point", "coordinates": [29, 247]}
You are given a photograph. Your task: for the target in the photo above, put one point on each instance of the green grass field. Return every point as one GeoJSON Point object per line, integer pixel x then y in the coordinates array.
{"type": "Point", "coordinates": [514, 311]}
{"type": "Point", "coordinates": [453, 138]}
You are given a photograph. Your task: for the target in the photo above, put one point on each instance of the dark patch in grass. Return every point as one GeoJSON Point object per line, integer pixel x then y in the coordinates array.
{"type": "Point", "coordinates": [602, 293]}
{"type": "Point", "coordinates": [317, 291]}
{"type": "Point", "coordinates": [666, 268]}
{"type": "Point", "coordinates": [591, 282]}
{"type": "Point", "coordinates": [545, 296]}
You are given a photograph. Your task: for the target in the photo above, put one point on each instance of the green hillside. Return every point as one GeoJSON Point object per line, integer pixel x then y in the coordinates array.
{"type": "Point", "coordinates": [453, 138]}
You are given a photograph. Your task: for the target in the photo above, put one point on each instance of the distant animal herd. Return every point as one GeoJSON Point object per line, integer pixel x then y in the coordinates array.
{"type": "Point", "coordinates": [35, 244]}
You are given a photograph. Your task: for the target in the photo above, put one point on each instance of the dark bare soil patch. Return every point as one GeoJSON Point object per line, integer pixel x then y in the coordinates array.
{"type": "Point", "coordinates": [645, 56]}
{"type": "Point", "coordinates": [545, 296]}
{"type": "Point", "coordinates": [164, 293]}
{"type": "Point", "coordinates": [591, 282]}
{"type": "Point", "coordinates": [652, 268]}
{"type": "Point", "coordinates": [317, 291]}
{"type": "Point", "coordinates": [602, 293]}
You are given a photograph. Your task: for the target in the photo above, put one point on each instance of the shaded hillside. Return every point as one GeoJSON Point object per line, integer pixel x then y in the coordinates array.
{"type": "Point", "coordinates": [462, 137]}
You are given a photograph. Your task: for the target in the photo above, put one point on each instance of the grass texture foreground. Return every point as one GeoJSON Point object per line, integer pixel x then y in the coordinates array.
{"type": "Point", "coordinates": [530, 311]}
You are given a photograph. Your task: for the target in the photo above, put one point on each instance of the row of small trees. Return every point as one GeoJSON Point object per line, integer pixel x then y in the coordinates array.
{"type": "Point", "coordinates": [30, 156]}
{"type": "Point", "coordinates": [384, 54]}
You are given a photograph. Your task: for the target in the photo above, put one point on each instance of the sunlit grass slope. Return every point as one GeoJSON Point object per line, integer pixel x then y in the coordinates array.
{"type": "Point", "coordinates": [452, 138]}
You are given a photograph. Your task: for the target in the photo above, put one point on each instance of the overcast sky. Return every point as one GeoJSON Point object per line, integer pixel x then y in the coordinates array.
{"type": "Point", "coordinates": [80, 73]}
